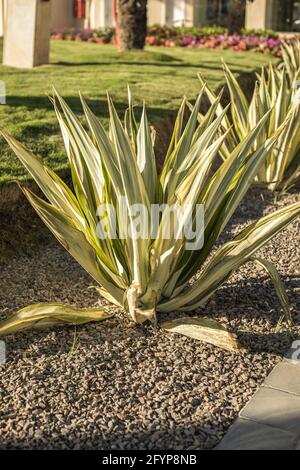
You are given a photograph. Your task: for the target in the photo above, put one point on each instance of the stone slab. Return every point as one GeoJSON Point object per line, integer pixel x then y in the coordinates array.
{"type": "Point", "coordinates": [274, 408]}
{"type": "Point", "coordinates": [285, 377]}
{"type": "Point", "coordinates": [249, 435]}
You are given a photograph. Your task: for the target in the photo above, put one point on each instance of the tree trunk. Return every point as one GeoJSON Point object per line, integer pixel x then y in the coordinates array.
{"type": "Point", "coordinates": [236, 20]}
{"type": "Point", "coordinates": [132, 16]}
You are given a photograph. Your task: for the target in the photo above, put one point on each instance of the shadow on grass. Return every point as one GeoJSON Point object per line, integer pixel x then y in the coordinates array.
{"type": "Point", "coordinates": [99, 107]}
{"type": "Point", "coordinates": [174, 64]}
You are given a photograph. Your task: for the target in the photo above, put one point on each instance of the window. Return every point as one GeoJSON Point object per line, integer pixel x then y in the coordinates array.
{"type": "Point", "coordinates": [217, 11]}
{"type": "Point", "coordinates": [285, 15]}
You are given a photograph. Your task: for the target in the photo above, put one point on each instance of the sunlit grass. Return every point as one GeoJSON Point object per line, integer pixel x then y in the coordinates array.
{"type": "Point", "coordinates": [160, 75]}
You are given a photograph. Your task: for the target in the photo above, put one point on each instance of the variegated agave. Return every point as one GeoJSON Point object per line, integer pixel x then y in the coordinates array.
{"type": "Point", "coordinates": [291, 59]}
{"type": "Point", "coordinates": [273, 94]}
{"type": "Point", "coordinates": [148, 276]}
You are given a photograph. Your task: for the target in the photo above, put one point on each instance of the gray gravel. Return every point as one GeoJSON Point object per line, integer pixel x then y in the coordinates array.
{"type": "Point", "coordinates": [128, 387]}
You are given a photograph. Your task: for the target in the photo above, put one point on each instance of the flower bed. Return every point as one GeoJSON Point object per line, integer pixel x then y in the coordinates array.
{"type": "Point", "coordinates": [100, 36]}
{"type": "Point", "coordinates": [236, 42]}
{"type": "Point", "coordinates": [209, 37]}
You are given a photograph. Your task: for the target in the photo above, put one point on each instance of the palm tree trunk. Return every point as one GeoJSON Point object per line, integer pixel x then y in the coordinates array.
{"type": "Point", "coordinates": [132, 16]}
{"type": "Point", "coordinates": [236, 19]}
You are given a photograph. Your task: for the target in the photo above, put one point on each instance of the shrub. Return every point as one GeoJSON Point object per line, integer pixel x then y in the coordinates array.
{"type": "Point", "coordinates": [280, 169]}
{"type": "Point", "coordinates": [171, 36]}
{"type": "Point", "coordinates": [291, 59]}
{"type": "Point", "coordinates": [167, 32]}
{"type": "Point", "coordinates": [266, 33]}
{"type": "Point", "coordinates": [150, 274]}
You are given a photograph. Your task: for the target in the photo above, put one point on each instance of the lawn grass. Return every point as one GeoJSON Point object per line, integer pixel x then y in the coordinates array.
{"type": "Point", "coordinates": [160, 76]}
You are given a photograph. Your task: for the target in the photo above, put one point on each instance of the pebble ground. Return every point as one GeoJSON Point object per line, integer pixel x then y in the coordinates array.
{"type": "Point", "coordinates": [128, 387]}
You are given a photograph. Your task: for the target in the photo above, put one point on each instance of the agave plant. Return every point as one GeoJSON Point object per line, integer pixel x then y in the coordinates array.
{"type": "Point", "coordinates": [280, 169]}
{"type": "Point", "coordinates": [291, 59]}
{"type": "Point", "coordinates": [147, 275]}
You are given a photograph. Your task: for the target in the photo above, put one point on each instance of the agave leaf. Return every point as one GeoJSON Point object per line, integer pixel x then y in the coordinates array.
{"type": "Point", "coordinates": [109, 161]}
{"type": "Point", "coordinates": [177, 131]}
{"type": "Point", "coordinates": [48, 315]}
{"type": "Point", "coordinates": [88, 177]}
{"type": "Point", "coordinates": [257, 109]}
{"type": "Point", "coordinates": [190, 186]}
{"type": "Point", "coordinates": [273, 91]}
{"type": "Point", "coordinates": [206, 120]}
{"type": "Point", "coordinates": [224, 176]}
{"type": "Point", "coordinates": [203, 329]}
{"type": "Point", "coordinates": [239, 103]}
{"type": "Point", "coordinates": [291, 59]}
{"type": "Point", "coordinates": [107, 153]}
{"type": "Point", "coordinates": [135, 194]}
{"type": "Point", "coordinates": [88, 188]}
{"type": "Point", "coordinates": [289, 146]}
{"type": "Point", "coordinates": [196, 152]}
{"type": "Point", "coordinates": [146, 157]}
{"type": "Point", "coordinates": [84, 155]}
{"type": "Point", "coordinates": [105, 147]}
{"type": "Point", "coordinates": [230, 257]}
{"type": "Point", "coordinates": [265, 97]}
{"type": "Point", "coordinates": [214, 99]}
{"type": "Point", "coordinates": [281, 104]}
{"type": "Point", "coordinates": [166, 251]}
{"type": "Point", "coordinates": [52, 186]}
{"type": "Point", "coordinates": [278, 284]}
{"type": "Point", "coordinates": [245, 178]}
{"type": "Point", "coordinates": [272, 81]}
{"type": "Point", "coordinates": [216, 223]}
{"type": "Point", "coordinates": [58, 193]}
{"type": "Point", "coordinates": [219, 110]}
{"type": "Point", "coordinates": [290, 180]}
{"type": "Point", "coordinates": [140, 311]}
{"type": "Point", "coordinates": [82, 180]}
{"type": "Point", "coordinates": [176, 158]}
{"type": "Point", "coordinates": [75, 242]}
{"type": "Point", "coordinates": [106, 295]}
{"type": "Point", "coordinates": [287, 59]}
{"type": "Point", "coordinates": [131, 125]}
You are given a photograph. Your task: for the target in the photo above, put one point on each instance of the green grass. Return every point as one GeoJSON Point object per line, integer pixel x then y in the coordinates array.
{"type": "Point", "coordinates": [157, 75]}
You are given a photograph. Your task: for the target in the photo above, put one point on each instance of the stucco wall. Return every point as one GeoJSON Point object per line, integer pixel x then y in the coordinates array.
{"type": "Point", "coordinates": [156, 11]}
{"type": "Point", "coordinates": [189, 12]}
{"type": "Point", "coordinates": [256, 14]}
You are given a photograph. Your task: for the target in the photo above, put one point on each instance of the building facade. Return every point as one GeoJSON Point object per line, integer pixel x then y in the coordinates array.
{"type": "Point", "coordinates": [279, 15]}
